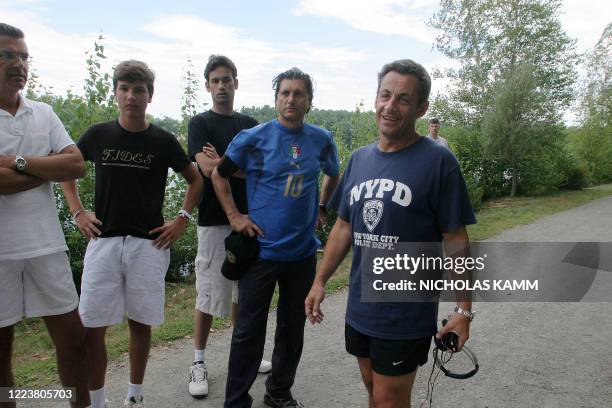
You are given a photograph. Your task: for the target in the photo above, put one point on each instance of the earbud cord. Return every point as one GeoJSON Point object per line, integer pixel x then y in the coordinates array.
{"type": "Point", "coordinates": [431, 382]}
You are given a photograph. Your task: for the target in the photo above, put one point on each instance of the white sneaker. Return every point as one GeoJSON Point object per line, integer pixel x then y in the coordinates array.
{"type": "Point", "coordinates": [265, 367]}
{"type": "Point", "coordinates": [198, 380]}
{"type": "Point", "coordinates": [134, 402]}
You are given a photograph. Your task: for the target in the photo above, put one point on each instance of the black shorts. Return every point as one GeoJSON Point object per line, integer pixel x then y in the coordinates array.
{"type": "Point", "coordinates": [389, 357]}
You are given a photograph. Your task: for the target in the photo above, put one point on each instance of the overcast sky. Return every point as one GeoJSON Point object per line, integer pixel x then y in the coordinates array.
{"type": "Point", "coordinates": [342, 43]}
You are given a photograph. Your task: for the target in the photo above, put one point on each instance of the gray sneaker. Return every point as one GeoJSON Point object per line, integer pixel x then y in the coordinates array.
{"type": "Point", "coordinates": [198, 380]}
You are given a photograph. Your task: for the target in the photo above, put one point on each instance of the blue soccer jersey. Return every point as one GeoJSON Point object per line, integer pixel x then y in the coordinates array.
{"type": "Point", "coordinates": [409, 196]}
{"type": "Point", "coordinates": [283, 167]}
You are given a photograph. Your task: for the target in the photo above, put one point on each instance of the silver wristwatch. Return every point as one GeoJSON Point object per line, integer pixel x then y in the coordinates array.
{"type": "Point", "coordinates": [465, 313]}
{"type": "Point", "coordinates": [20, 164]}
{"type": "Point", "coordinates": [184, 214]}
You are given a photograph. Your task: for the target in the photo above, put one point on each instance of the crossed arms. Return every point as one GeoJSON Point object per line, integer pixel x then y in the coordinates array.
{"type": "Point", "coordinates": [65, 165]}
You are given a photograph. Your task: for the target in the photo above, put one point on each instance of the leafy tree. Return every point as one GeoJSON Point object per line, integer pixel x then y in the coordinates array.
{"type": "Point", "coordinates": [597, 95]}
{"type": "Point", "coordinates": [517, 68]}
{"type": "Point", "coordinates": [261, 114]}
{"type": "Point", "coordinates": [593, 144]}
{"type": "Point", "coordinates": [97, 84]}
{"type": "Point", "coordinates": [492, 38]}
{"type": "Point", "coordinates": [516, 112]}
{"type": "Point", "coordinates": [170, 124]}
{"type": "Point", "coordinates": [190, 103]}
{"type": "Point", "coordinates": [594, 148]}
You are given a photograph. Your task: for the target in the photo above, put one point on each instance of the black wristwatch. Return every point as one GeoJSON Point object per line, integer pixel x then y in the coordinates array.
{"type": "Point", "coordinates": [323, 208]}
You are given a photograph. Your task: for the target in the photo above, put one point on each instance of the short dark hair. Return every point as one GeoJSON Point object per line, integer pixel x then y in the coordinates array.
{"type": "Point", "coordinates": [293, 73]}
{"type": "Point", "coordinates": [434, 121]}
{"type": "Point", "coordinates": [216, 61]}
{"type": "Point", "coordinates": [10, 31]}
{"type": "Point", "coordinates": [132, 71]}
{"type": "Point", "coordinates": [409, 67]}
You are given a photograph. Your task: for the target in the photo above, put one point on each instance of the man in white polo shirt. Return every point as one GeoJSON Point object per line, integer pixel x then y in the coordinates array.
{"type": "Point", "coordinates": [35, 275]}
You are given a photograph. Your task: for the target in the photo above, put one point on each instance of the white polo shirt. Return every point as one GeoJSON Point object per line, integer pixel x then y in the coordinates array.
{"type": "Point", "coordinates": [29, 225]}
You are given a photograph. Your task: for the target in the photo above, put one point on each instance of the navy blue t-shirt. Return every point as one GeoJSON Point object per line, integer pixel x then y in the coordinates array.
{"type": "Point", "coordinates": [412, 195]}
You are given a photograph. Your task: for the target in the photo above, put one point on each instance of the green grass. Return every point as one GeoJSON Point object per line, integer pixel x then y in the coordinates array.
{"type": "Point", "coordinates": [501, 214]}
{"type": "Point", "coordinates": [34, 359]}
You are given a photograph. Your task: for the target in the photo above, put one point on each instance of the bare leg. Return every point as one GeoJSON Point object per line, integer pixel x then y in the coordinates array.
{"type": "Point", "coordinates": [203, 322]}
{"type": "Point", "coordinates": [140, 344]}
{"type": "Point", "coordinates": [365, 366]}
{"type": "Point", "coordinates": [68, 335]}
{"type": "Point", "coordinates": [96, 356]}
{"type": "Point", "coordinates": [6, 353]}
{"type": "Point", "coordinates": [392, 392]}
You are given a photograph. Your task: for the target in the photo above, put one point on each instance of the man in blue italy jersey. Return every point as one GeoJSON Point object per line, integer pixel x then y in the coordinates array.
{"type": "Point", "coordinates": [282, 160]}
{"type": "Point", "coordinates": [404, 188]}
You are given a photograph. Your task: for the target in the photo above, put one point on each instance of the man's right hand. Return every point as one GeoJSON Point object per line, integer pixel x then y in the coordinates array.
{"type": "Point", "coordinates": [243, 224]}
{"type": "Point", "coordinates": [313, 301]}
{"type": "Point", "coordinates": [88, 224]}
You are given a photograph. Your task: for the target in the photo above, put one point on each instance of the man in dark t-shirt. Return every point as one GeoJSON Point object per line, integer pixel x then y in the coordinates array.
{"type": "Point", "coordinates": [209, 134]}
{"type": "Point", "coordinates": [403, 189]}
{"type": "Point", "coordinates": [129, 249]}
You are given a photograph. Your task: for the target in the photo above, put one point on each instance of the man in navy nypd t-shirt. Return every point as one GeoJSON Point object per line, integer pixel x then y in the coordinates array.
{"type": "Point", "coordinates": [282, 160]}
{"type": "Point", "coordinates": [402, 189]}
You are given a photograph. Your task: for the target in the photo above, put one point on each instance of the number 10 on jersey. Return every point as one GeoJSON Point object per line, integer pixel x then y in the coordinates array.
{"type": "Point", "coordinates": [293, 187]}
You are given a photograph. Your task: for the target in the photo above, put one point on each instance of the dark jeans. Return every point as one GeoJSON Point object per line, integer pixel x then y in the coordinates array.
{"type": "Point", "coordinates": [255, 292]}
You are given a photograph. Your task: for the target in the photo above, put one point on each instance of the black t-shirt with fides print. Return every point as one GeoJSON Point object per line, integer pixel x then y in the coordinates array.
{"type": "Point", "coordinates": [218, 130]}
{"type": "Point", "coordinates": [131, 173]}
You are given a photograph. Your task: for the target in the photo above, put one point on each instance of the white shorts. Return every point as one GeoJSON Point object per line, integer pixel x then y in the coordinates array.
{"type": "Point", "coordinates": [123, 275]}
{"type": "Point", "coordinates": [34, 287]}
{"type": "Point", "coordinates": [215, 292]}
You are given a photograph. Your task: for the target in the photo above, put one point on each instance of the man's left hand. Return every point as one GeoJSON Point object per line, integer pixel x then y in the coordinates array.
{"type": "Point", "coordinates": [169, 232]}
{"type": "Point", "coordinates": [459, 325]}
{"type": "Point", "coordinates": [312, 304]}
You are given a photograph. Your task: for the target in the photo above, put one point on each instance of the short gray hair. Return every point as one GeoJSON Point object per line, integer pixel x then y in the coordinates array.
{"type": "Point", "coordinates": [409, 67]}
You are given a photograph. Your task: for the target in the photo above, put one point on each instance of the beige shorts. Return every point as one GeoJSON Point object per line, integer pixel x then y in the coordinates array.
{"type": "Point", "coordinates": [215, 292]}
{"type": "Point", "coordinates": [123, 276]}
{"type": "Point", "coordinates": [35, 287]}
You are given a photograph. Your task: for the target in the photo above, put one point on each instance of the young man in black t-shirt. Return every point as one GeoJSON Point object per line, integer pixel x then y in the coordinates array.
{"type": "Point", "coordinates": [129, 249]}
{"type": "Point", "coordinates": [209, 135]}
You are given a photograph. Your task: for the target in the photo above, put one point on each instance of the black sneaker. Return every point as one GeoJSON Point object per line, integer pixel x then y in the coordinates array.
{"type": "Point", "coordinates": [287, 402]}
